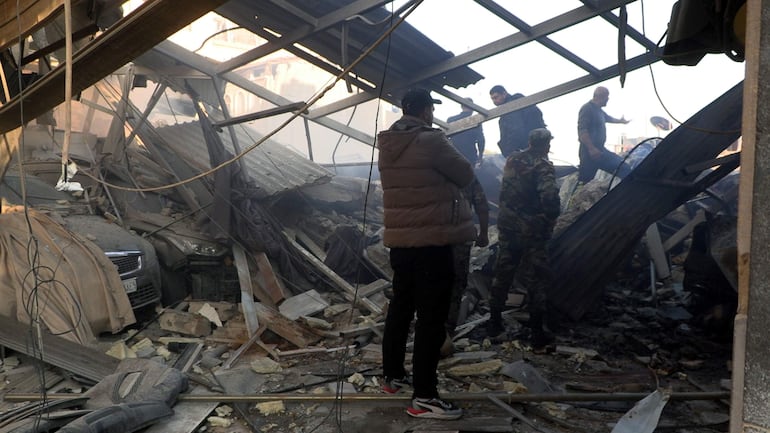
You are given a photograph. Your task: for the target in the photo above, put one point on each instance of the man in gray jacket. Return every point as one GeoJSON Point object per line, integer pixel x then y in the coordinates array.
{"type": "Point", "coordinates": [425, 214]}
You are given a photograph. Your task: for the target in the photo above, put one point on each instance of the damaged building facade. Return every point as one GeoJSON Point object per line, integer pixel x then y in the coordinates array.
{"type": "Point", "coordinates": [198, 223]}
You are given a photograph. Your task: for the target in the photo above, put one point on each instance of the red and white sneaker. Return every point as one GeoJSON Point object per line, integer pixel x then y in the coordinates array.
{"type": "Point", "coordinates": [434, 408]}
{"type": "Point", "coordinates": [395, 385]}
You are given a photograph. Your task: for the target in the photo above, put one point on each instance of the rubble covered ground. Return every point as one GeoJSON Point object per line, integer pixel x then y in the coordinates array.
{"type": "Point", "coordinates": [314, 363]}
{"type": "Point", "coordinates": [635, 343]}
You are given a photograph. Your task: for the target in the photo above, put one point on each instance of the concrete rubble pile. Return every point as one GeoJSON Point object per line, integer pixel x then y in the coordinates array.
{"type": "Point", "coordinates": [313, 345]}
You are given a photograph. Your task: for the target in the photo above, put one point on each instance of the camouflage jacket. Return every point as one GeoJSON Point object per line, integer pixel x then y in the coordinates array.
{"type": "Point", "coordinates": [529, 198]}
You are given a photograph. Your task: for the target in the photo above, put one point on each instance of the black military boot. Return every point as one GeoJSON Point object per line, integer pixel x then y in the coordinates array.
{"type": "Point", "coordinates": [495, 327]}
{"type": "Point", "coordinates": [540, 337]}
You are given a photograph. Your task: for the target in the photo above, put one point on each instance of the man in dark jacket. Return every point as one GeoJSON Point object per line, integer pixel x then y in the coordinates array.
{"type": "Point", "coordinates": [470, 143]}
{"type": "Point", "coordinates": [515, 126]}
{"type": "Point", "coordinates": [529, 206]}
{"type": "Point", "coordinates": [425, 215]}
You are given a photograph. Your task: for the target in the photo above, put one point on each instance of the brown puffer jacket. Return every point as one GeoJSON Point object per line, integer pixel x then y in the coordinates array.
{"type": "Point", "coordinates": [422, 175]}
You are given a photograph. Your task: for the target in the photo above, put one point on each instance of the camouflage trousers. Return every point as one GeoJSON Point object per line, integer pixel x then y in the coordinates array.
{"type": "Point", "coordinates": [462, 258]}
{"type": "Point", "coordinates": [525, 257]}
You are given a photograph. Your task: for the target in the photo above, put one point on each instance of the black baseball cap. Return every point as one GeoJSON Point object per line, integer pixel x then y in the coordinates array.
{"type": "Point", "coordinates": [415, 100]}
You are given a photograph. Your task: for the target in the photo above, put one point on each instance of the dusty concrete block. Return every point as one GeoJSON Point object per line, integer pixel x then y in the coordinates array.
{"type": "Point", "coordinates": [185, 323]}
{"type": "Point", "coordinates": [218, 421]}
{"type": "Point", "coordinates": [121, 351]}
{"type": "Point", "coordinates": [514, 387]}
{"type": "Point", "coordinates": [271, 407]}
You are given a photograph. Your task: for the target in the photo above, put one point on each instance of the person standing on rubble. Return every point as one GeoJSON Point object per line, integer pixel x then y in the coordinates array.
{"type": "Point", "coordinates": [529, 206]}
{"type": "Point", "coordinates": [470, 143]}
{"type": "Point", "coordinates": [425, 214]}
{"type": "Point", "coordinates": [515, 126]}
{"type": "Point", "coordinates": [477, 200]}
{"type": "Point", "coordinates": [592, 134]}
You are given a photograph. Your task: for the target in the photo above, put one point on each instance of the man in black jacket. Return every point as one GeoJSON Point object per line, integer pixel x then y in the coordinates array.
{"type": "Point", "coordinates": [470, 143]}
{"type": "Point", "coordinates": [515, 126]}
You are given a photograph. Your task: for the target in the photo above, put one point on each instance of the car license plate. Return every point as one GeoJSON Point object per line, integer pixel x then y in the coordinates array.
{"type": "Point", "coordinates": [130, 285]}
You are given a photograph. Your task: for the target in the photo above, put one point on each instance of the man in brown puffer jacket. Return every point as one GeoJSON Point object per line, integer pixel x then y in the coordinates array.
{"type": "Point", "coordinates": [425, 214]}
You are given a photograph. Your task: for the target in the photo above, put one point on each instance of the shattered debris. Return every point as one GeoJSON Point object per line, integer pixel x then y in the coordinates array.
{"type": "Point", "coordinates": [307, 335]}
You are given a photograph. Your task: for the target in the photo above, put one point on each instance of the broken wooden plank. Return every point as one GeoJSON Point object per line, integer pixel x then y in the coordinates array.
{"type": "Point", "coordinates": [304, 304]}
{"type": "Point", "coordinates": [268, 281]}
{"type": "Point", "coordinates": [247, 290]}
{"type": "Point", "coordinates": [291, 331]}
{"type": "Point", "coordinates": [374, 287]}
{"type": "Point", "coordinates": [188, 357]}
{"type": "Point", "coordinates": [310, 244]}
{"type": "Point", "coordinates": [362, 330]}
{"type": "Point", "coordinates": [80, 360]}
{"type": "Point", "coordinates": [244, 347]}
{"type": "Point", "coordinates": [347, 290]}
{"type": "Point", "coordinates": [685, 231]}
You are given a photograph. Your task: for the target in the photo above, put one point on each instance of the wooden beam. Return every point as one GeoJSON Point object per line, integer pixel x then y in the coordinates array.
{"type": "Point", "coordinates": [247, 291]}
{"type": "Point", "coordinates": [347, 290]}
{"type": "Point", "coordinates": [268, 281]}
{"type": "Point", "coordinates": [682, 233]}
{"type": "Point", "coordinates": [279, 324]}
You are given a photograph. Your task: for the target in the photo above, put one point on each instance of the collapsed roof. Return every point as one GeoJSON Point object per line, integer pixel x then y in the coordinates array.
{"type": "Point", "coordinates": [341, 37]}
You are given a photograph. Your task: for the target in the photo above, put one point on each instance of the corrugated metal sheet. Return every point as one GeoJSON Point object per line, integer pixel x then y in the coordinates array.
{"type": "Point", "coordinates": [273, 167]}
{"type": "Point", "coordinates": [407, 53]}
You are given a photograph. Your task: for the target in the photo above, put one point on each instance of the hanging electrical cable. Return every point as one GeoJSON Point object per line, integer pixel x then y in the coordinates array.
{"type": "Point", "coordinates": [66, 170]}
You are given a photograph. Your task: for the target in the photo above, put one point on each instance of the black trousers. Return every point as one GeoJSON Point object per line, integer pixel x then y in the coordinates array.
{"type": "Point", "coordinates": [462, 259]}
{"type": "Point", "coordinates": [422, 284]}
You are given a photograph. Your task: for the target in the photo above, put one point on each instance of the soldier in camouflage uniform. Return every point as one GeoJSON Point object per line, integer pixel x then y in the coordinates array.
{"type": "Point", "coordinates": [529, 205]}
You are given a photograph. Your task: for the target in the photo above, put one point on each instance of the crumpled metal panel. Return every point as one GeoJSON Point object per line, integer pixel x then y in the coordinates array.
{"type": "Point", "coordinates": [272, 166]}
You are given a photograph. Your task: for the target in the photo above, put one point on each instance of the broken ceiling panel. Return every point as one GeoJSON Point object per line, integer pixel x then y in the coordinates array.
{"type": "Point", "coordinates": [273, 167]}
{"type": "Point", "coordinates": [169, 71]}
{"type": "Point", "coordinates": [325, 27]}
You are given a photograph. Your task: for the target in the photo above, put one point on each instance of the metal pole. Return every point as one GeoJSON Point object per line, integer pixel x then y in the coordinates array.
{"type": "Point", "coordinates": [461, 396]}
